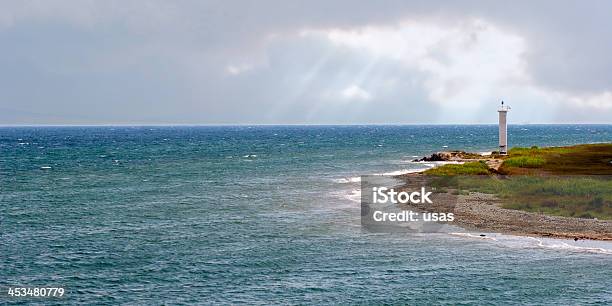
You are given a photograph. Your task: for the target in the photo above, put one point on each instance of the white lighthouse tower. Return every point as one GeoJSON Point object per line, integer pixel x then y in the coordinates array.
{"type": "Point", "coordinates": [503, 128]}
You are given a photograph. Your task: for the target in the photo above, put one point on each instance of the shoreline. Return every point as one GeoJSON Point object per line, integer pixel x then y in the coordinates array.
{"type": "Point", "coordinates": [482, 212]}
{"type": "Point", "coordinates": [477, 211]}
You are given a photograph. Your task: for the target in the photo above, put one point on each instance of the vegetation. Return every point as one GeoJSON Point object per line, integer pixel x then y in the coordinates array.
{"type": "Point", "coordinates": [591, 159]}
{"type": "Point", "coordinates": [524, 162]}
{"type": "Point", "coordinates": [564, 181]}
{"type": "Point", "coordinates": [570, 196]}
{"type": "Point", "coordinates": [471, 168]}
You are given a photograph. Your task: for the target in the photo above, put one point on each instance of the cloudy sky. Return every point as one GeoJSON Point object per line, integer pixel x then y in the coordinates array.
{"type": "Point", "coordinates": [304, 62]}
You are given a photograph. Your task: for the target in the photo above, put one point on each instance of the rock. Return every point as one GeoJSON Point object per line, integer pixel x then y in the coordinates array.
{"type": "Point", "coordinates": [448, 156]}
{"type": "Point", "coordinates": [453, 156]}
{"type": "Point", "coordinates": [439, 156]}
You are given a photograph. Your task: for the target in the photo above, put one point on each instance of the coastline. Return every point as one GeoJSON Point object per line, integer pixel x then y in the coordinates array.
{"type": "Point", "coordinates": [483, 212]}
{"type": "Point", "coordinates": [480, 211]}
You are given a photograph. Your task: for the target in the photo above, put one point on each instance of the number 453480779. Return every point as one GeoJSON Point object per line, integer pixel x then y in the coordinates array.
{"type": "Point", "coordinates": [36, 291]}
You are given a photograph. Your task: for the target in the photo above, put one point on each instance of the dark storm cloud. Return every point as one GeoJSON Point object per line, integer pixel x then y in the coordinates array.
{"type": "Point", "coordinates": [246, 62]}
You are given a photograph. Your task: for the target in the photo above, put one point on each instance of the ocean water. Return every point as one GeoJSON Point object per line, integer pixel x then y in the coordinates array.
{"type": "Point", "coordinates": [262, 215]}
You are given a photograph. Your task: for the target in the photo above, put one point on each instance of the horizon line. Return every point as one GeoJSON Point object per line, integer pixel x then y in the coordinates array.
{"type": "Point", "coordinates": [273, 124]}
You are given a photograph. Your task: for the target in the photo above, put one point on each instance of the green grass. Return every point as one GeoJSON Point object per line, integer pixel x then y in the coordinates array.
{"type": "Point", "coordinates": [525, 162]}
{"type": "Point", "coordinates": [569, 196]}
{"type": "Point", "coordinates": [545, 180]}
{"type": "Point", "coordinates": [533, 151]}
{"type": "Point", "coordinates": [587, 159]}
{"type": "Point", "coordinates": [581, 159]}
{"type": "Point", "coordinates": [471, 168]}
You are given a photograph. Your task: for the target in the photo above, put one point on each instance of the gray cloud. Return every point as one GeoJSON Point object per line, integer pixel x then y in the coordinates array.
{"type": "Point", "coordinates": [246, 62]}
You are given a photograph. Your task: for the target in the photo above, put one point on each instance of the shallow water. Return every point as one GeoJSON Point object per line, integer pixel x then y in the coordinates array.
{"type": "Point", "coordinates": [262, 215]}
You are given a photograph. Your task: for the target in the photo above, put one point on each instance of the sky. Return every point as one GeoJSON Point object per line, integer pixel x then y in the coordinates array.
{"type": "Point", "coordinates": [304, 62]}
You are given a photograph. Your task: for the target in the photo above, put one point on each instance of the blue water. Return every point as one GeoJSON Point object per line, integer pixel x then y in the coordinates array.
{"type": "Point", "coordinates": [260, 215]}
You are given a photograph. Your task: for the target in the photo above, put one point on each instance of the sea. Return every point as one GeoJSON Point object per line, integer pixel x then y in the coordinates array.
{"type": "Point", "coordinates": [152, 215]}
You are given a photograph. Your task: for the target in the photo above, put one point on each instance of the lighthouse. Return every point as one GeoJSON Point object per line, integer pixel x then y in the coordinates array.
{"type": "Point", "coordinates": [503, 129]}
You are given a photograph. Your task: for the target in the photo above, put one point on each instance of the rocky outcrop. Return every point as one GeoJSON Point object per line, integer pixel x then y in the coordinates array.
{"type": "Point", "coordinates": [450, 156]}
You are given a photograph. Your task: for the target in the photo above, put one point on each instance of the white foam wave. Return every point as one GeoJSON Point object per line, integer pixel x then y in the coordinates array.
{"type": "Point", "coordinates": [356, 179]}
{"type": "Point", "coordinates": [468, 235]}
{"type": "Point", "coordinates": [563, 245]}
{"type": "Point", "coordinates": [428, 165]}
{"type": "Point", "coordinates": [445, 162]}
{"type": "Point", "coordinates": [349, 199]}
{"type": "Point", "coordinates": [403, 171]}
{"type": "Point", "coordinates": [587, 246]}
{"type": "Point", "coordinates": [423, 167]}
{"type": "Point", "coordinates": [354, 196]}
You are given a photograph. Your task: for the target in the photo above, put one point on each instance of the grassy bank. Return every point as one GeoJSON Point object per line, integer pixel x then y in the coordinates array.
{"type": "Point", "coordinates": [471, 168]}
{"type": "Point", "coordinates": [569, 196]}
{"type": "Point", "coordinates": [565, 181]}
{"type": "Point", "coordinates": [591, 159]}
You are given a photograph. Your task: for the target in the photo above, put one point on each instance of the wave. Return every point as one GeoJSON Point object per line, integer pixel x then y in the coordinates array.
{"type": "Point", "coordinates": [348, 199]}
{"type": "Point", "coordinates": [403, 171]}
{"type": "Point", "coordinates": [356, 179]}
{"type": "Point", "coordinates": [588, 246]}
{"type": "Point", "coordinates": [468, 235]}
{"type": "Point", "coordinates": [563, 245]}
{"type": "Point", "coordinates": [354, 196]}
{"type": "Point", "coordinates": [438, 163]}
{"type": "Point", "coordinates": [427, 165]}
